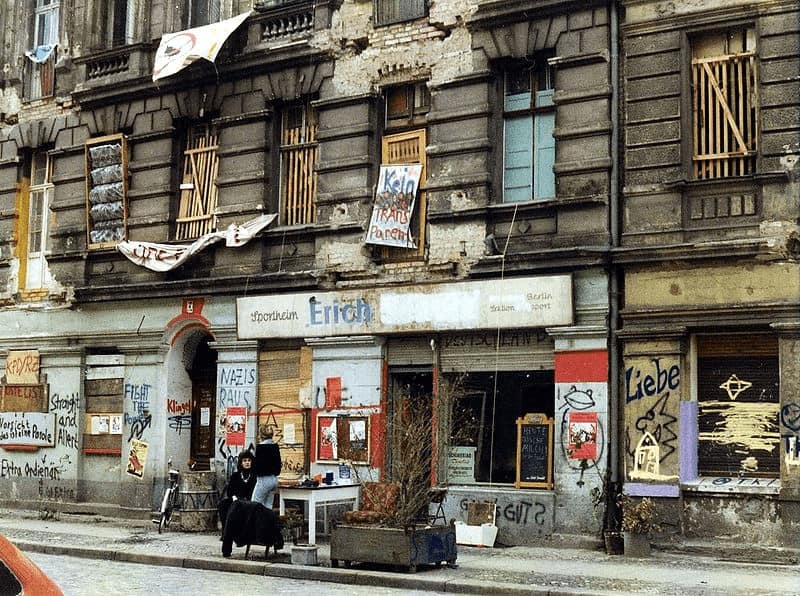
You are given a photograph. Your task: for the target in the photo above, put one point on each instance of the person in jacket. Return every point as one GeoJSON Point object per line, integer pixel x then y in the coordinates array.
{"type": "Point", "coordinates": [267, 467]}
{"type": "Point", "coordinates": [240, 486]}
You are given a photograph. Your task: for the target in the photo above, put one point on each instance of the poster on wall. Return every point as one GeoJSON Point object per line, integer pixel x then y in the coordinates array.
{"type": "Point", "coordinates": [137, 458]}
{"type": "Point", "coordinates": [390, 224]}
{"type": "Point", "coordinates": [22, 367]}
{"type": "Point", "coordinates": [326, 438]}
{"type": "Point", "coordinates": [236, 424]}
{"type": "Point", "coordinates": [582, 440]}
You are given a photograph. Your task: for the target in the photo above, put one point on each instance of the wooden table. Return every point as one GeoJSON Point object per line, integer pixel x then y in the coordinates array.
{"type": "Point", "coordinates": [319, 495]}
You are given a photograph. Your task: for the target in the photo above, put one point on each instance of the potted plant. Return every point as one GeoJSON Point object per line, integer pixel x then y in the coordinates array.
{"type": "Point", "coordinates": [637, 524]}
{"type": "Point", "coordinates": [399, 530]}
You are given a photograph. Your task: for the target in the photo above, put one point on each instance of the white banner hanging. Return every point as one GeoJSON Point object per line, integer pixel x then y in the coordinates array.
{"type": "Point", "coordinates": [165, 257]}
{"type": "Point", "coordinates": [178, 50]}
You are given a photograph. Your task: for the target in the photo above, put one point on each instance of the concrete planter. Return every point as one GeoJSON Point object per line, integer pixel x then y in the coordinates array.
{"type": "Point", "coordinates": [407, 547]}
{"type": "Point", "coordinates": [636, 545]}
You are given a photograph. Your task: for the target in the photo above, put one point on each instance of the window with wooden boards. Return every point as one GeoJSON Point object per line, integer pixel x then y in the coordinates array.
{"type": "Point", "coordinates": [198, 190]}
{"type": "Point", "coordinates": [299, 154]}
{"type": "Point", "coordinates": [724, 104]}
{"type": "Point", "coordinates": [409, 148]}
{"type": "Point", "coordinates": [106, 160]}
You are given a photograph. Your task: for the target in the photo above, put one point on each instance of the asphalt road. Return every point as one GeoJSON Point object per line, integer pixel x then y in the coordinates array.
{"type": "Point", "coordinates": [91, 577]}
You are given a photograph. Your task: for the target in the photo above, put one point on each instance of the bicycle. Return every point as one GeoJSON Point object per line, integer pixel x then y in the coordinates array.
{"type": "Point", "coordinates": [169, 502]}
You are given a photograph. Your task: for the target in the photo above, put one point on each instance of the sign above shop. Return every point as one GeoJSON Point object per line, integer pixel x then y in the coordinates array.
{"type": "Point", "coordinates": [493, 304]}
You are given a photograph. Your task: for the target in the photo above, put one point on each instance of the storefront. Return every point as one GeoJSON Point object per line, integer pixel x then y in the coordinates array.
{"type": "Point", "coordinates": [497, 350]}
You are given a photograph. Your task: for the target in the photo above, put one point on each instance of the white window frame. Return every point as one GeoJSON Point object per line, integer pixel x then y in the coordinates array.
{"type": "Point", "coordinates": [46, 22]}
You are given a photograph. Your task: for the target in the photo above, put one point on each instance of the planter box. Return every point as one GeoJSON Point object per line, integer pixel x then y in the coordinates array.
{"type": "Point", "coordinates": [483, 535]}
{"type": "Point", "coordinates": [408, 547]}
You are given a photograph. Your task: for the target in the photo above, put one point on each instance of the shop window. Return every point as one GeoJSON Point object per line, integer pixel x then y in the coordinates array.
{"type": "Point", "coordinates": [485, 413]}
{"type": "Point", "coordinates": [198, 189]}
{"type": "Point", "coordinates": [299, 153]}
{"type": "Point", "coordinates": [396, 11]}
{"type": "Point", "coordinates": [106, 190]}
{"type": "Point", "coordinates": [529, 148]}
{"type": "Point", "coordinates": [738, 401]}
{"type": "Point", "coordinates": [33, 222]}
{"type": "Point", "coordinates": [724, 103]}
{"type": "Point", "coordinates": [201, 12]}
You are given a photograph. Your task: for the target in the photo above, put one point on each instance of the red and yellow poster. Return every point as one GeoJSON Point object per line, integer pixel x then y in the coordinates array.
{"type": "Point", "coordinates": [236, 424]}
{"type": "Point", "coordinates": [582, 441]}
{"type": "Point", "coordinates": [137, 458]}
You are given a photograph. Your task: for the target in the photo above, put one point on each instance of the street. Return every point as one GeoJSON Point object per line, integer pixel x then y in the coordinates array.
{"type": "Point", "coordinates": [82, 577]}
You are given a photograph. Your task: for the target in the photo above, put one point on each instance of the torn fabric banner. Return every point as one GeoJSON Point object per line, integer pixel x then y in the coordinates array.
{"type": "Point", "coordinates": [165, 257]}
{"type": "Point", "coordinates": [393, 207]}
{"type": "Point", "coordinates": [178, 50]}
{"type": "Point", "coordinates": [40, 54]}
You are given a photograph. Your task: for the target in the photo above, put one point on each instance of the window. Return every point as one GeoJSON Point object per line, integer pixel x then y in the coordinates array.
{"type": "Point", "coordinates": [395, 11]}
{"type": "Point", "coordinates": [45, 31]}
{"type": "Point", "coordinates": [485, 414]}
{"type": "Point", "coordinates": [299, 152]}
{"type": "Point", "coordinates": [198, 190]}
{"type": "Point", "coordinates": [34, 211]}
{"type": "Point", "coordinates": [528, 119]}
{"type": "Point", "coordinates": [201, 12]}
{"type": "Point", "coordinates": [120, 19]}
{"type": "Point", "coordinates": [406, 107]}
{"type": "Point", "coordinates": [738, 402]}
{"type": "Point", "coordinates": [106, 190]}
{"type": "Point", "coordinates": [724, 104]}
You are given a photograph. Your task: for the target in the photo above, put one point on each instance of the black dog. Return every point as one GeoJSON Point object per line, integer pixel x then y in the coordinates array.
{"type": "Point", "coordinates": [251, 523]}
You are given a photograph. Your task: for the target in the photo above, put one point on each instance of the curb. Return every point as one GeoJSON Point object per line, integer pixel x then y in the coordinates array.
{"type": "Point", "coordinates": [360, 577]}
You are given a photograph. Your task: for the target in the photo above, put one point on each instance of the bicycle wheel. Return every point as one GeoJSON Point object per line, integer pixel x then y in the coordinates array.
{"type": "Point", "coordinates": [166, 510]}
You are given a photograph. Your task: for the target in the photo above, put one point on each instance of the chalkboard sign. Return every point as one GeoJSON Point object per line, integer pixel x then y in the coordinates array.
{"type": "Point", "coordinates": [534, 451]}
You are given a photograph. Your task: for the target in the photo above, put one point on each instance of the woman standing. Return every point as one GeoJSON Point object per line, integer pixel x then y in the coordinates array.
{"type": "Point", "coordinates": [267, 467]}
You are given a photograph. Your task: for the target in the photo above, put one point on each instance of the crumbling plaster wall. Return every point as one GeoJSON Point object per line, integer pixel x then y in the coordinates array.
{"type": "Point", "coordinates": [368, 58]}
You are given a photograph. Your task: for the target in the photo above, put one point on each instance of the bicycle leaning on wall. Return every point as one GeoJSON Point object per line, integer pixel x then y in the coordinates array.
{"type": "Point", "coordinates": [170, 501]}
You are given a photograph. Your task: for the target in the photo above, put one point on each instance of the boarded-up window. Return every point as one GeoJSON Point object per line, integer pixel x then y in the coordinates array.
{"type": "Point", "coordinates": [409, 148]}
{"type": "Point", "coordinates": [198, 198]}
{"type": "Point", "coordinates": [299, 152]}
{"type": "Point", "coordinates": [281, 375]}
{"type": "Point", "coordinates": [106, 190]}
{"type": "Point", "coordinates": [724, 104]}
{"type": "Point", "coordinates": [103, 388]}
{"type": "Point", "coordinates": [529, 148]}
{"type": "Point", "coordinates": [395, 11]}
{"type": "Point", "coordinates": [738, 400]}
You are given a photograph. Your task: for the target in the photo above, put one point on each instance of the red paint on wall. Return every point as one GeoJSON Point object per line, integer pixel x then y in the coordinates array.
{"type": "Point", "coordinates": [585, 366]}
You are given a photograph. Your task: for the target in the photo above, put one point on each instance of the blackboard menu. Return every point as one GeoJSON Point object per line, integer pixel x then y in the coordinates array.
{"type": "Point", "coordinates": [534, 451]}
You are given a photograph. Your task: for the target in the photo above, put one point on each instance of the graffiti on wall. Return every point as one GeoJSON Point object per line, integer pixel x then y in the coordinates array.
{"type": "Point", "coordinates": [44, 466]}
{"type": "Point", "coordinates": [236, 386]}
{"type": "Point", "coordinates": [521, 512]}
{"type": "Point", "coordinates": [652, 396]}
{"type": "Point", "coordinates": [790, 435]}
{"type": "Point", "coordinates": [139, 418]}
{"type": "Point", "coordinates": [581, 433]}
{"type": "Point", "coordinates": [66, 408]}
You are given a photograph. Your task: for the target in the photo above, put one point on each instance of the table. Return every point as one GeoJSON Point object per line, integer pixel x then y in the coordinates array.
{"type": "Point", "coordinates": [318, 495]}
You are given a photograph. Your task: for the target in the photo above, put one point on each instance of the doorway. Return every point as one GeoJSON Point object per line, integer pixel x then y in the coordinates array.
{"type": "Point", "coordinates": [203, 375]}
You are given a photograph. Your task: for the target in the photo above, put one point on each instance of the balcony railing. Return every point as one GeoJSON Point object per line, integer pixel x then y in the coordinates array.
{"type": "Point", "coordinates": [286, 21]}
{"type": "Point", "coordinates": [108, 64]}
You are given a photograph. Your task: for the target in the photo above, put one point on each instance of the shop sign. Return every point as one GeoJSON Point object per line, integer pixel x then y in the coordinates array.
{"type": "Point", "coordinates": [492, 304]}
{"type": "Point", "coordinates": [461, 465]}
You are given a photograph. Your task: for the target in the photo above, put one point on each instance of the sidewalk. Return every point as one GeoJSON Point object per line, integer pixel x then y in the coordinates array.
{"type": "Point", "coordinates": [514, 570]}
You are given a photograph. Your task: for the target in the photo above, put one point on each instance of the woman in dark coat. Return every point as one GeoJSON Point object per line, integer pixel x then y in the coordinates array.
{"type": "Point", "coordinates": [243, 480]}
{"type": "Point", "coordinates": [267, 466]}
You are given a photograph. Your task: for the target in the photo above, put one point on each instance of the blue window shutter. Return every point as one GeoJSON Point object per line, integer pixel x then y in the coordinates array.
{"type": "Point", "coordinates": [544, 180]}
{"type": "Point", "coordinates": [517, 159]}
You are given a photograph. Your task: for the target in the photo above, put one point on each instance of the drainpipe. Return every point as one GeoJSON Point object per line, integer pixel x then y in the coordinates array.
{"type": "Point", "coordinates": [614, 283]}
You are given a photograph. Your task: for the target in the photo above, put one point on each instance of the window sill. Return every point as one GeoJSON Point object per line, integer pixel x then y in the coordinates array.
{"type": "Point", "coordinates": [731, 485]}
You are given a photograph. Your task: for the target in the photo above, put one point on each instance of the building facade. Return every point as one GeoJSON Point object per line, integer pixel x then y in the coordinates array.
{"type": "Point", "coordinates": [411, 195]}
{"type": "Point", "coordinates": [709, 251]}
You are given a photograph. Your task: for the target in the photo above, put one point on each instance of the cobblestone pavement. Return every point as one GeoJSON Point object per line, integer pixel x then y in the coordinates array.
{"type": "Point", "coordinates": [544, 570]}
